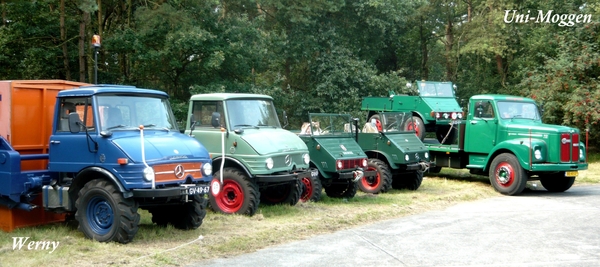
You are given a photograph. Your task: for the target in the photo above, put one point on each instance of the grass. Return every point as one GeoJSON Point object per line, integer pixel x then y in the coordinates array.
{"type": "Point", "coordinates": [227, 235]}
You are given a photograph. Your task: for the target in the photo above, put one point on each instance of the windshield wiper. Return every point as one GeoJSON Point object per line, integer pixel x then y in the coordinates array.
{"type": "Point", "coordinates": [154, 125]}
{"type": "Point", "coordinates": [116, 126]}
{"type": "Point", "coordinates": [246, 125]}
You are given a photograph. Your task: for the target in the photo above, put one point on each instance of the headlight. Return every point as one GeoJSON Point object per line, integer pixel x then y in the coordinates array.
{"type": "Point", "coordinates": [207, 169]}
{"type": "Point", "coordinates": [149, 174]}
{"type": "Point", "coordinates": [537, 154]}
{"type": "Point", "coordinates": [406, 157]}
{"type": "Point", "coordinates": [269, 162]}
{"type": "Point", "coordinates": [364, 163]}
{"type": "Point", "coordinates": [339, 164]}
{"type": "Point", "coordinates": [306, 158]}
{"type": "Point", "coordinates": [426, 155]}
{"type": "Point", "coordinates": [454, 115]}
{"type": "Point", "coordinates": [581, 155]}
{"type": "Point", "coordinates": [459, 115]}
{"type": "Point", "coordinates": [445, 115]}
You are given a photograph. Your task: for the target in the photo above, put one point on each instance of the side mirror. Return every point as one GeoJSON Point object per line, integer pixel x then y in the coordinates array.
{"type": "Point", "coordinates": [285, 119]}
{"type": "Point", "coordinates": [192, 124]}
{"type": "Point", "coordinates": [215, 120]}
{"type": "Point", "coordinates": [74, 122]}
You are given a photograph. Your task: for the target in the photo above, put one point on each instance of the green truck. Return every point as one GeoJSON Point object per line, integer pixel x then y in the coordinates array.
{"type": "Point", "coordinates": [503, 137]}
{"type": "Point", "coordinates": [337, 161]}
{"type": "Point", "coordinates": [255, 160]}
{"type": "Point", "coordinates": [396, 154]}
{"type": "Point", "coordinates": [434, 109]}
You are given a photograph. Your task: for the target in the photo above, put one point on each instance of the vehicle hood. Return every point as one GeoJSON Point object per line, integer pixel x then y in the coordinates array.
{"type": "Point", "coordinates": [525, 125]}
{"type": "Point", "coordinates": [273, 140]}
{"type": "Point", "coordinates": [406, 141]}
{"type": "Point", "coordinates": [345, 147]}
{"type": "Point", "coordinates": [161, 146]}
{"type": "Point", "coordinates": [442, 104]}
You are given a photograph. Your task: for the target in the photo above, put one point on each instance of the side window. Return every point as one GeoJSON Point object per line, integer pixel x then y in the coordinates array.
{"type": "Point", "coordinates": [81, 106]}
{"type": "Point", "coordinates": [484, 110]}
{"type": "Point", "coordinates": [202, 112]}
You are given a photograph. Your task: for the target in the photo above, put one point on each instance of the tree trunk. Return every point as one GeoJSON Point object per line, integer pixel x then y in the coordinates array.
{"type": "Point", "coordinates": [449, 42]}
{"type": "Point", "coordinates": [424, 52]}
{"type": "Point", "coordinates": [500, 67]}
{"type": "Point", "coordinates": [63, 40]}
{"type": "Point", "coordinates": [3, 12]}
{"type": "Point", "coordinates": [82, 46]}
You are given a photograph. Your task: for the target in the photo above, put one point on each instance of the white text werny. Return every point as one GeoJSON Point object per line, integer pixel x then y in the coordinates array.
{"type": "Point", "coordinates": [19, 242]}
{"type": "Point", "coordinates": [569, 20]}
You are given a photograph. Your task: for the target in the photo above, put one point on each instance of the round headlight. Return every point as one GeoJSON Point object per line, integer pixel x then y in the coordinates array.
{"type": "Point", "coordinates": [537, 154]}
{"type": "Point", "coordinates": [364, 163]}
{"type": "Point", "coordinates": [339, 164]}
{"type": "Point", "coordinates": [148, 174]}
{"type": "Point", "coordinates": [454, 115]}
{"type": "Point", "coordinates": [306, 158]}
{"type": "Point", "coordinates": [426, 155]}
{"type": "Point", "coordinates": [406, 157]}
{"type": "Point", "coordinates": [581, 155]}
{"type": "Point", "coordinates": [206, 169]}
{"type": "Point", "coordinates": [459, 115]}
{"type": "Point", "coordinates": [446, 116]}
{"type": "Point", "coordinates": [269, 162]}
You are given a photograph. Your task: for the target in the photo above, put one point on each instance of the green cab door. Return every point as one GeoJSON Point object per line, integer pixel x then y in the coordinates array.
{"type": "Point", "coordinates": [481, 129]}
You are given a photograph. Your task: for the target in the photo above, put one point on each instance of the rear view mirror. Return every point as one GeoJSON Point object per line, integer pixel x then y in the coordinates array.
{"type": "Point", "coordinates": [74, 122]}
{"type": "Point", "coordinates": [215, 120]}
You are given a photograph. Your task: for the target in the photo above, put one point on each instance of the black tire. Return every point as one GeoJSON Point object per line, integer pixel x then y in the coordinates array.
{"type": "Point", "coordinates": [416, 125]}
{"type": "Point", "coordinates": [442, 131]}
{"type": "Point", "coordinates": [190, 215]}
{"type": "Point", "coordinates": [408, 180]}
{"type": "Point", "coordinates": [381, 182]}
{"type": "Point", "coordinates": [238, 194]}
{"type": "Point", "coordinates": [288, 193]}
{"type": "Point", "coordinates": [104, 214]}
{"type": "Point", "coordinates": [506, 175]}
{"type": "Point", "coordinates": [556, 182]}
{"type": "Point", "coordinates": [436, 169]}
{"type": "Point", "coordinates": [342, 189]}
{"type": "Point", "coordinates": [311, 187]}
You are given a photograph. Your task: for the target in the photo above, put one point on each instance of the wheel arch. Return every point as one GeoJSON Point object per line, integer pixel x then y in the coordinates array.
{"type": "Point", "coordinates": [230, 162]}
{"type": "Point", "coordinates": [381, 156]}
{"type": "Point", "coordinates": [88, 174]}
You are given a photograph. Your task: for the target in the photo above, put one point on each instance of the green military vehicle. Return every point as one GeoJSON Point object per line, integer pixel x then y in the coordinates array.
{"type": "Point", "coordinates": [255, 160]}
{"type": "Point", "coordinates": [434, 109]}
{"type": "Point", "coordinates": [504, 137]}
{"type": "Point", "coordinates": [394, 152]}
{"type": "Point", "coordinates": [337, 161]}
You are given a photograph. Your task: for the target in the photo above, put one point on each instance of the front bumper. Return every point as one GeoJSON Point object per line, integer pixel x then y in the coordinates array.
{"type": "Point", "coordinates": [350, 175]}
{"type": "Point", "coordinates": [543, 167]}
{"type": "Point", "coordinates": [286, 177]}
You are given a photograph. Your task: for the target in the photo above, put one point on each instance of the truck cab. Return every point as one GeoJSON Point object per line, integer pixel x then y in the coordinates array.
{"type": "Point", "coordinates": [503, 136]}
{"type": "Point", "coordinates": [256, 160]}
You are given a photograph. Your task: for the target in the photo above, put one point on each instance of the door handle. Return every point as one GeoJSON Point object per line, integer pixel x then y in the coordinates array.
{"type": "Point", "coordinates": [54, 142]}
{"type": "Point", "coordinates": [473, 122]}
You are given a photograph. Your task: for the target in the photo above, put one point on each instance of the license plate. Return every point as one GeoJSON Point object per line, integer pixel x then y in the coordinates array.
{"type": "Point", "coordinates": [571, 174]}
{"type": "Point", "coordinates": [197, 190]}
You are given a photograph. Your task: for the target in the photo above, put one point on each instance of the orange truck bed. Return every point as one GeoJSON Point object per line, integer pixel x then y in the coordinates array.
{"type": "Point", "coordinates": [26, 113]}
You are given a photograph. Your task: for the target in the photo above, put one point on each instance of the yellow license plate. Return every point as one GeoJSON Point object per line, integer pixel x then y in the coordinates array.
{"type": "Point", "coordinates": [571, 174]}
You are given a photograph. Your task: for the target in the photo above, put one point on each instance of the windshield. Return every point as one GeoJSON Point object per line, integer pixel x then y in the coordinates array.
{"type": "Point", "coordinates": [397, 122]}
{"type": "Point", "coordinates": [252, 113]}
{"type": "Point", "coordinates": [328, 124]}
{"type": "Point", "coordinates": [435, 89]}
{"type": "Point", "coordinates": [119, 112]}
{"type": "Point", "coordinates": [524, 110]}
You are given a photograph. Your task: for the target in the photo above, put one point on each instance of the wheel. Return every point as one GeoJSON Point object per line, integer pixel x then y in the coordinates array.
{"type": "Point", "coordinates": [506, 175]}
{"type": "Point", "coordinates": [408, 180]}
{"type": "Point", "coordinates": [556, 182]}
{"type": "Point", "coordinates": [311, 187]}
{"type": "Point", "coordinates": [190, 215]}
{"type": "Point", "coordinates": [287, 193]}
{"type": "Point", "coordinates": [381, 182]}
{"type": "Point", "coordinates": [441, 133]}
{"type": "Point", "coordinates": [378, 124]}
{"type": "Point", "coordinates": [342, 189]}
{"type": "Point", "coordinates": [104, 214]}
{"type": "Point", "coordinates": [238, 194]}
{"type": "Point", "coordinates": [416, 124]}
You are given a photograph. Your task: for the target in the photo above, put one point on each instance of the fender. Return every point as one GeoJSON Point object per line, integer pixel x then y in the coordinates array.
{"type": "Point", "coordinates": [388, 160]}
{"type": "Point", "coordinates": [217, 163]}
{"type": "Point", "coordinates": [109, 175]}
{"type": "Point", "coordinates": [321, 172]}
{"type": "Point", "coordinates": [521, 149]}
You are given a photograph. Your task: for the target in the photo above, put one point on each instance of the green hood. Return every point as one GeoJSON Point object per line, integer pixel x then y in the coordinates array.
{"type": "Point", "coordinates": [407, 142]}
{"type": "Point", "coordinates": [340, 147]}
{"type": "Point", "coordinates": [270, 140]}
{"type": "Point", "coordinates": [537, 127]}
{"type": "Point", "coordinates": [442, 104]}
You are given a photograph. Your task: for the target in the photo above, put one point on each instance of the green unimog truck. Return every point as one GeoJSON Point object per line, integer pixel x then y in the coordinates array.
{"type": "Point", "coordinates": [503, 137]}
{"type": "Point", "coordinates": [434, 109]}
{"type": "Point", "coordinates": [393, 151]}
{"type": "Point", "coordinates": [255, 160]}
{"type": "Point", "coordinates": [337, 161]}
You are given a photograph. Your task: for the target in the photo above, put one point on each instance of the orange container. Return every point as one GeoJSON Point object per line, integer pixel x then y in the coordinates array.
{"type": "Point", "coordinates": [26, 114]}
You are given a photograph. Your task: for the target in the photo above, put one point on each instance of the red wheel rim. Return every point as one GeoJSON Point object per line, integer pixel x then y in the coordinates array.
{"type": "Point", "coordinates": [231, 197]}
{"type": "Point", "coordinates": [308, 190]}
{"type": "Point", "coordinates": [371, 183]}
{"type": "Point", "coordinates": [378, 124]}
{"type": "Point", "coordinates": [413, 126]}
{"type": "Point", "coordinates": [505, 174]}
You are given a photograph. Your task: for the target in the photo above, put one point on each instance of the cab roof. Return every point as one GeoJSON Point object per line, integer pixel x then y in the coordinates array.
{"type": "Point", "coordinates": [498, 97]}
{"type": "Point", "coordinates": [226, 96]}
{"type": "Point", "coordinates": [109, 89]}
